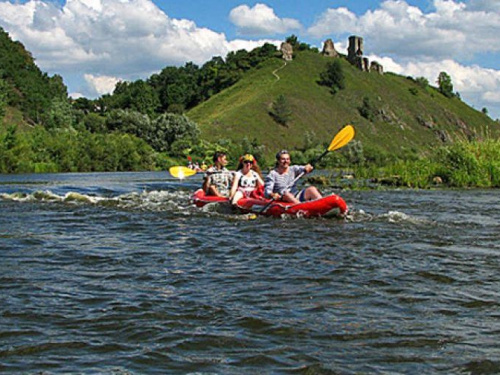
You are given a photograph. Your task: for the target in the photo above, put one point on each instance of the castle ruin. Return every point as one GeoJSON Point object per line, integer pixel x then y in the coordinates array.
{"type": "Point", "coordinates": [287, 51]}
{"type": "Point", "coordinates": [329, 49]}
{"type": "Point", "coordinates": [354, 55]}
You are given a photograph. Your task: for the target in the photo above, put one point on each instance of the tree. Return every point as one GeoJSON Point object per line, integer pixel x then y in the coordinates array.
{"type": "Point", "coordinates": [60, 114]}
{"type": "Point", "coordinates": [4, 89]}
{"type": "Point", "coordinates": [170, 128]}
{"type": "Point", "coordinates": [333, 76]}
{"type": "Point", "coordinates": [422, 82]}
{"type": "Point", "coordinates": [445, 85]}
{"type": "Point", "coordinates": [281, 111]}
{"type": "Point", "coordinates": [293, 41]}
{"type": "Point", "coordinates": [131, 122]}
{"type": "Point", "coordinates": [94, 123]}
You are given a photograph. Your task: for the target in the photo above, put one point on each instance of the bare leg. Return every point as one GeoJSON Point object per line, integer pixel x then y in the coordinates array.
{"type": "Point", "coordinates": [212, 190]}
{"type": "Point", "coordinates": [312, 193]}
{"type": "Point", "coordinates": [288, 197]}
{"type": "Point", "coordinates": [237, 196]}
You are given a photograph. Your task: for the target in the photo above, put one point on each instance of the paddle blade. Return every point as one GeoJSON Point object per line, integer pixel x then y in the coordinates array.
{"type": "Point", "coordinates": [342, 138]}
{"type": "Point", "coordinates": [181, 172]}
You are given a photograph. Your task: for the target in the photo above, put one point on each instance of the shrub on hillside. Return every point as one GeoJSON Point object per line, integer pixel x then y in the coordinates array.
{"type": "Point", "coordinates": [281, 111]}
{"type": "Point", "coordinates": [333, 77]}
{"type": "Point", "coordinates": [367, 109]}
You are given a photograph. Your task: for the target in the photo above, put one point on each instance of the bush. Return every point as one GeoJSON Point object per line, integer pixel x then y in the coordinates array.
{"type": "Point", "coordinates": [333, 76]}
{"type": "Point", "coordinates": [281, 111]}
{"type": "Point", "coordinates": [128, 121]}
{"type": "Point", "coordinates": [169, 128]}
{"type": "Point", "coordinates": [367, 109]}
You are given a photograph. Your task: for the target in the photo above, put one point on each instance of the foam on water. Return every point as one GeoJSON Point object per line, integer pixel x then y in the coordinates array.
{"type": "Point", "coordinates": [146, 200]}
{"type": "Point", "coordinates": [390, 217]}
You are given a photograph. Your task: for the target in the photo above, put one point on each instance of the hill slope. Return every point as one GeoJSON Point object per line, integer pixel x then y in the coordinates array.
{"type": "Point", "coordinates": [28, 89]}
{"type": "Point", "coordinates": [407, 116]}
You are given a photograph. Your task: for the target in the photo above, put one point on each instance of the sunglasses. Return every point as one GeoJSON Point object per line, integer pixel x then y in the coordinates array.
{"type": "Point", "coordinates": [248, 162]}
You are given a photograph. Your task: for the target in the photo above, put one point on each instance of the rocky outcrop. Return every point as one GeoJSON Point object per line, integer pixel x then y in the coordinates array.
{"type": "Point", "coordinates": [287, 51]}
{"type": "Point", "coordinates": [329, 49]}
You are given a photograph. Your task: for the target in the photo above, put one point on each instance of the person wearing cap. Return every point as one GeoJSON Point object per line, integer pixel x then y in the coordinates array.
{"type": "Point", "coordinates": [218, 179]}
{"type": "Point", "coordinates": [247, 179]}
{"type": "Point", "coordinates": [281, 182]}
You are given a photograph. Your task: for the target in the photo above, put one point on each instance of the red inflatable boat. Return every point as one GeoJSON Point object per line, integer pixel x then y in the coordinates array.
{"type": "Point", "coordinates": [329, 205]}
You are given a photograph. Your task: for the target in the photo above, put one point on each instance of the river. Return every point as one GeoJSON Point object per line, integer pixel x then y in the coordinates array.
{"type": "Point", "coordinates": [117, 273]}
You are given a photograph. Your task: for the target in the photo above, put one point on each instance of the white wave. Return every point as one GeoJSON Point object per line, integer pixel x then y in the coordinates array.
{"type": "Point", "coordinates": [146, 200]}
{"type": "Point", "coordinates": [391, 217]}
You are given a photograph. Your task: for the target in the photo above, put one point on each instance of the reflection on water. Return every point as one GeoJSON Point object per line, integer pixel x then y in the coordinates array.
{"type": "Point", "coordinates": [119, 273]}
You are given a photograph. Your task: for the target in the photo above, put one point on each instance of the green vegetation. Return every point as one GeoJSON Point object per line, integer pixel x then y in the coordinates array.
{"type": "Point", "coordinates": [3, 98]}
{"type": "Point", "coordinates": [400, 116]}
{"type": "Point", "coordinates": [445, 85]}
{"type": "Point", "coordinates": [25, 86]}
{"type": "Point", "coordinates": [281, 111]}
{"type": "Point", "coordinates": [463, 164]}
{"type": "Point", "coordinates": [408, 133]}
{"type": "Point", "coordinates": [333, 76]}
{"type": "Point", "coordinates": [42, 150]}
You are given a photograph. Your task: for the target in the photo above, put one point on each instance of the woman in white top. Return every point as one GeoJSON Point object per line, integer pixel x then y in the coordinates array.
{"type": "Point", "coordinates": [246, 180]}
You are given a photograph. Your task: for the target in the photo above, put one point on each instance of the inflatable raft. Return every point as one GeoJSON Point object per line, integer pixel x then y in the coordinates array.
{"type": "Point", "coordinates": [200, 199]}
{"type": "Point", "coordinates": [329, 205]}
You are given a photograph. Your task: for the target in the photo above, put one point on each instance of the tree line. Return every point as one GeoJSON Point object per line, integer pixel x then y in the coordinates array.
{"type": "Point", "coordinates": [141, 118]}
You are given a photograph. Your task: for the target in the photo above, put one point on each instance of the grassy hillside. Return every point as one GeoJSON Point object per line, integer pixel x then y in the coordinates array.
{"type": "Point", "coordinates": [408, 117]}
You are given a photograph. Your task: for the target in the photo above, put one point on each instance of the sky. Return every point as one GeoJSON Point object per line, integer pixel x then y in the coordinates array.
{"type": "Point", "coordinates": [93, 44]}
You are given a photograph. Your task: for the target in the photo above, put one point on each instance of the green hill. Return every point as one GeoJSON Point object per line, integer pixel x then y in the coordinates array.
{"type": "Point", "coordinates": [407, 117]}
{"type": "Point", "coordinates": [26, 90]}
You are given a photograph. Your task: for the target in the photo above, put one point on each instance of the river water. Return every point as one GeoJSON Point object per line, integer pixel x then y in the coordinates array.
{"type": "Point", "coordinates": [117, 273]}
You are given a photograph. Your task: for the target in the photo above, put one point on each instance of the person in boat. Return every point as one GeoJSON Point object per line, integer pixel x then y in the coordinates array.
{"type": "Point", "coordinates": [281, 183]}
{"type": "Point", "coordinates": [247, 180]}
{"type": "Point", "coordinates": [218, 179]}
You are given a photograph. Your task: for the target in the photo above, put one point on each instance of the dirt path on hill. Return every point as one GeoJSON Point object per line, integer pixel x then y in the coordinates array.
{"type": "Point", "coordinates": [274, 72]}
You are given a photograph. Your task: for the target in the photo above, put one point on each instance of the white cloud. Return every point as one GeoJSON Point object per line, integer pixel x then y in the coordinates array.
{"type": "Point", "coordinates": [101, 84]}
{"type": "Point", "coordinates": [492, 97]}
{"type": "Point", "coordinates": [237, 44]}
{"type": "Point", "coordinates": [486, 5]}
{"type": "Point", "coordinates": [261, 20]}
{"type": "Point", "coordinates": [452, 30]}
{"type": "Point", "coordinates": [126, 38]}
{"type": "Point", "coordinates": [334, 21]}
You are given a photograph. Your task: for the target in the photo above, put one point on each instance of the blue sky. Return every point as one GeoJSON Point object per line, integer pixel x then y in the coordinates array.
{"type": "Point", "coordinates": [93, 44]}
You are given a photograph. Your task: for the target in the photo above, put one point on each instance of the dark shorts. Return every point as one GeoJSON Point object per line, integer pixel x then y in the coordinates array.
{"type": "Point", "coordinates": [301, 195]}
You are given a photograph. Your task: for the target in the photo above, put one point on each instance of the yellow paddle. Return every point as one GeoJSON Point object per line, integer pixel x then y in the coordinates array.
{"type": "Point", "coordinates": [181, 172]}
{"type": "Point", "coordinates": [342, 138]}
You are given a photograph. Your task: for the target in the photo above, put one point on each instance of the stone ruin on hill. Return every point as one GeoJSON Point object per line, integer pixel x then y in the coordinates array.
{"type": "Point", "coordinates": [329, 49]}
{"type": "Point", "coordinates": [287, 51]}
{"type": "Point", "coordinates": [354, 54]}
